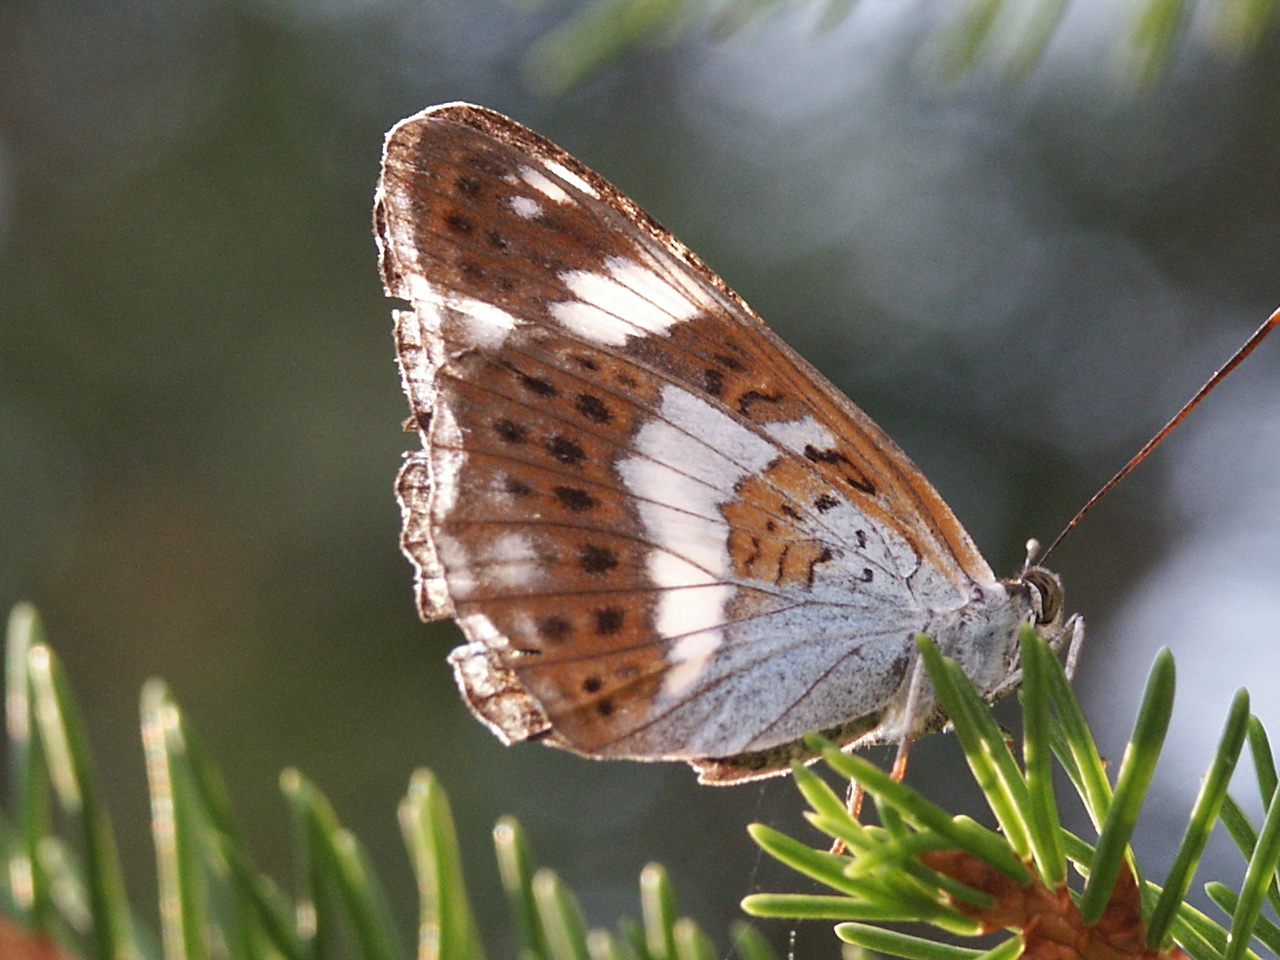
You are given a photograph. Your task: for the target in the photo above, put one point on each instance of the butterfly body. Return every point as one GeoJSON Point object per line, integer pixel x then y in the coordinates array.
{"type": "Point", "coordinates": [664, 534]}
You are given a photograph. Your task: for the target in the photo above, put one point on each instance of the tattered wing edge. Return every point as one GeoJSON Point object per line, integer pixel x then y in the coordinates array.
{"type": "Point", "coordinates": [430, 590]}
{"type": "Point", "coordinates": [495, 695]}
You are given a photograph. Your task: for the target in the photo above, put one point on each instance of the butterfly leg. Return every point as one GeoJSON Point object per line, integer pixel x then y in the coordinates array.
{"type": "Point", "coordinates": [1070, 636]}
{"type": "Point", "coordinates": [856, 794]}
{"type": "Point", "coordinates": [854, 798]}
{"type": "Point", "coordinates": [1073, 636]}
{"type": "Point", "coordinates": [852, 803]}
{"type": "Point", "coordinates": [911, 719]}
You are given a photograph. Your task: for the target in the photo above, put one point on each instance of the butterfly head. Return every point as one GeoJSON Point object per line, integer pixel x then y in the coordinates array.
{"type": "Point", "coordinates": [1043, 591]}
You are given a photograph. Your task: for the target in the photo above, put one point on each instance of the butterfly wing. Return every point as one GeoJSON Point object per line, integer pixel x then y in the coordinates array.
{"type": "Point", "coordinates": [664, 534]}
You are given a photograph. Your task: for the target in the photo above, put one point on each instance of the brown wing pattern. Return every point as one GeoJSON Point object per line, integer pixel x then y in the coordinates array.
{"type": "Point", "coordinates": [626, 476]}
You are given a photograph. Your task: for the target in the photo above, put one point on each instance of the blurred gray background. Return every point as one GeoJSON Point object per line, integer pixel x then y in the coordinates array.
{"type": "Point", "coordinates": [200, 414]}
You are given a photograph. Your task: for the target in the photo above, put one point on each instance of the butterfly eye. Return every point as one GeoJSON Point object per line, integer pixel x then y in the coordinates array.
{"type": "Point", "coordinates": [1045, 590]}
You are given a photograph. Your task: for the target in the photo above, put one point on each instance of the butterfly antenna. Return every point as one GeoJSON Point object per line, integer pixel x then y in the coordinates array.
{"type": "Point", "coordinates": [1033, 548]}
{"type": "Point", "coordinates": [1150, 445]}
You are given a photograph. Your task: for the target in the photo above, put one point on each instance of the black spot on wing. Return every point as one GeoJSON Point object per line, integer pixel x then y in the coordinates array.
{"type": "Point", "coordinates": [593, 408]}
{"type": "Point", "coordinates": [565, 451]}
{"type": "Point", "coordinates": [850, 473]}
{"type": "Point", "coordinates": [608, 620]}
{"type": "Point", "coordinates": [459, 223]}
{"type": "Point", "coordinates": [573, 498]}
{"type": "Point", "coordinates": [555, 629]}
{"type": "Point", "coordinates": [713, 381]}
{"type": "Point", "coordinates": [535, 385]}
{"type": "Point", "coordinates": [468, 186]}
{"type": "Point", "coordinates": [822, 557]}
{"type": "Point", "coordinates": [729, 363]}
{"type": "Point", "coordinates": [597, 559]}
{"type": "Point", "coordinates": [823, 456]}
{"type": "Point", "coordinates": [517, 488]}
{"type": "Point", "coordinates": [752, 397]}
{"type": "Point", "coordinates": [510, 431]}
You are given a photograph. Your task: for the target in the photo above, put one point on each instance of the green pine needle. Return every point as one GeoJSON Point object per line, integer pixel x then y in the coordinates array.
{"type": "Point", "coordinates": [1009, 35]}
{"type": "Point", "coordinates": [214, 900]}
{"type": "Point", "coordinates": [1054, 726]}
{"type": "Point", "coordinates": [1136, 770]}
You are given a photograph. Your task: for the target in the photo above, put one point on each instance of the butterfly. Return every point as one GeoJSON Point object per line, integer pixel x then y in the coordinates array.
{"type": "Point", "coordinates": [663, 533]}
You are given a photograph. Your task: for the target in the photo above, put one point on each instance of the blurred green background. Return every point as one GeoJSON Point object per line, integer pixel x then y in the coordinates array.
{"type": "Point", "coordinates": [200, 414]}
